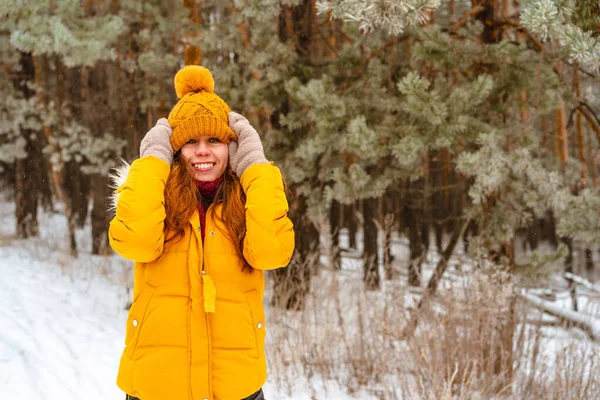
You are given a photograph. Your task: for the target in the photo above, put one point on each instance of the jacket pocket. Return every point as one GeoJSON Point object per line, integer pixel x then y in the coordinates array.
{"type": "Point", "coordinates": [258, 320]}
{"type": "Point", "coordinates": [232, 326]}
{"type": "Point", "coordinates": [135, 319]}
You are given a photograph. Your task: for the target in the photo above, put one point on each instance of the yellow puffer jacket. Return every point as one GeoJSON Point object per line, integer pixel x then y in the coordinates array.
{"type": "Point", "coordinates": [196, 329]}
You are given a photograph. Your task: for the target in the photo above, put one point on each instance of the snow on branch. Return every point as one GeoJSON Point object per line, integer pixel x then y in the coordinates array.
{"type": "Point", "coordinates": [590, 325]}
{"type": "Point", "coordinates": [583, 282]}
{"type": "Point", "coordinates": [553, 20]}
{"type": "Point", "coordinates": [393, 15]}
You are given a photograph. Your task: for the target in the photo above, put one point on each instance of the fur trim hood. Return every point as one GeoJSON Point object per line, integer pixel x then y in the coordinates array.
{"type": "Point", "coordinates": [117, 178]}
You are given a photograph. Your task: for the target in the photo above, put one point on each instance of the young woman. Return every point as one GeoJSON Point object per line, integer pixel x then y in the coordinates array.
{"type": "Point", "coordinates": [203, 214]}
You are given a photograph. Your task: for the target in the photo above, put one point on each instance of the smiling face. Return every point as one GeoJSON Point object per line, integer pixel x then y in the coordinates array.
{"type": "Point", "coordinates": [207, 156]}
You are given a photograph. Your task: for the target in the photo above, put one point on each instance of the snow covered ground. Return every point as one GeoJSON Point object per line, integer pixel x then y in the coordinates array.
{"type": "Point", "coordinates": [62, 320]}
{"type": "Point", "coordinates": [60, 338]}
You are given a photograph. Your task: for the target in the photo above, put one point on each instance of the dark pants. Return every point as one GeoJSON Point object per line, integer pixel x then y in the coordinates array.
{"type": "Point", "coordinates": [256, 396]}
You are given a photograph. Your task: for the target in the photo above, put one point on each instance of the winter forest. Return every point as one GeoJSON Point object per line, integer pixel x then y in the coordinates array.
{"type": "Point", "coordinates": [442, 161]}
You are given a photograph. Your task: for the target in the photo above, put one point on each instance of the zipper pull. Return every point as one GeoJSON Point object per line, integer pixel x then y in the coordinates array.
{"type": "Point", "coordinates": [209, 292]}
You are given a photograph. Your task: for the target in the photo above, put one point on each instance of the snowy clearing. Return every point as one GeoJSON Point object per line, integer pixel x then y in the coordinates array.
{"type": "Point", "coordinates": [63, 320]}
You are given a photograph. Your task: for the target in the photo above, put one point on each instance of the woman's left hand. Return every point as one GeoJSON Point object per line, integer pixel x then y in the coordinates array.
{"type": "Point", "coordinates": [248, 150]}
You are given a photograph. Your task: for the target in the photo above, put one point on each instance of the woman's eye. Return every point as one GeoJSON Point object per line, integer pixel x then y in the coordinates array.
{"type": "Point", "coordinates": [214, 140]}
{"type": "Point", "coordinates": [191, 141]}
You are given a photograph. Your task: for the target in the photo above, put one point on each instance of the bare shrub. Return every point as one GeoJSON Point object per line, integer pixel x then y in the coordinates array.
{"type": "Point", "coordinates": [571, 372]}
{"type": "Point", "coordinates": [474, 341]}
{"type": "Point", "coordinates": [463, 346]}
{"type": "Point", "coordinates": [344, 336]}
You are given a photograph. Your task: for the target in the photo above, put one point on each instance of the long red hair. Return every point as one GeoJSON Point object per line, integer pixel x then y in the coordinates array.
{"type": "Point", "coordinates": [182, 197]}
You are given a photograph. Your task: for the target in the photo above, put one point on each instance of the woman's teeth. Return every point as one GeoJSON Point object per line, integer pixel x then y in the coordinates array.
{"type": "Point", "coordinates": [203, 166]}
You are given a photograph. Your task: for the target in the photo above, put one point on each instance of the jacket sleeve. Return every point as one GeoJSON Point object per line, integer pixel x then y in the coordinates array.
{"type": "Point", "coordinates": [136, 231]}
{"type": "Point", "coordinates": [269, 241]}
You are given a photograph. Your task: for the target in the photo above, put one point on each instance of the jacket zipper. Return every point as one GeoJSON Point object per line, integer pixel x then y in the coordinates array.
{"type": "Point", "coordinates": [203, 272]}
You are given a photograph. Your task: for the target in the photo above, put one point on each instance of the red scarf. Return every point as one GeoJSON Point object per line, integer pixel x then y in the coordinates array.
{"type": "Point", "coordinates": [208, 190]}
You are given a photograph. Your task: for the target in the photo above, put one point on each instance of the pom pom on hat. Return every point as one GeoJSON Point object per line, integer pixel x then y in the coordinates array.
{"type": "Point", "coordinates": [193, 78]}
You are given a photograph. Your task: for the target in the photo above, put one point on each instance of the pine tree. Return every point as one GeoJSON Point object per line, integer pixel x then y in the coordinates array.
{"type": "Point", "coordinates": [456, 110]}
{"type": "Point", "coordinates": [103, 77]}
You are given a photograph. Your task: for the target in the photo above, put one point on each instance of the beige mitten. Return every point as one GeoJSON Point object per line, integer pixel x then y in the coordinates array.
{"type": "Point", "coordinates": [248, 150]}
{"type": "Point", "coordinates": [157, 141]}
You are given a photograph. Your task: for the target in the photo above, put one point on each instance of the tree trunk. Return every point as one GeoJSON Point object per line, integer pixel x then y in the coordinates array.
{"type": "Point", "coordinates": [370, 253]}
{"type": "Point", "coordinates": [333, 28]}
{"type": "Point", "coordinates": [41, 80]}
{"type": "Point", "coordinates": [589, 261]}
{"type": "Point", "coordinates": [442, 264]}
{"type": "Point", "coordinates": [561, 135]}
{"type": "Point", "coordinates": [533, 234]}
{"type": "Point", "coordinates": [387, 225]}
{"type": "Point", "coordinates": [285, 26]}
{"type": "Point", "coordinates": [100, 217]}
{"type": "Point", "coordinates": [438, 230]}
{"type": "Point", "coordinates": [26, 198]}
{"type": "Point", "coordinates": [590, 156]}
{"type": "Point", "coordinates": [416, 250]}
{"type": "Point", "coordinates": [581, 151]}
{"type": "Point", "coordinates": [192, 55]}
{"type": "Point", "coordinates": [335, 225]}
{"type": "Point", "coordinates": [351, 222]}
{"type": "Point", "coordinates": [486, 17]}
{"type": "Point", "coordinates": [26, 171]}
{"type": "Point", "coordinates": [569, 269]}
{"type": "Point", "coordinates": [292, 284]}
{"type": "Point", "coordinates": [76, 188]}
{"type": "Point", "coordinates": [42, 167]}
{"type": "Point", "coordinates": [441, 207]}
{"type": "Point", "coordinates": [387, 254]}
{"type": "Point", "coordinates": [303, 24]}
{"type": "Point", "coordinates": [545, 147]}
{"type": "Point", "coordinates": [69, 194]}
{"type": "Point", "coordinates": [412, 217]}
{"type": "Point", "coordinates": [548, 229]}
{"type": "Point", "coordinates": [452, 11]}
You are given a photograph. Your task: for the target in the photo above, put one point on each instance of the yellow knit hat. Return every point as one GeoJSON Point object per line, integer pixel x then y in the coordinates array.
{"type": "Point", "coordinates": [199, 112]}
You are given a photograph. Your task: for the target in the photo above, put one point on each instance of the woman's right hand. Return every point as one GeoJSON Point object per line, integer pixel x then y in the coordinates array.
{"type": "Point", "coordinates": [157, 141]}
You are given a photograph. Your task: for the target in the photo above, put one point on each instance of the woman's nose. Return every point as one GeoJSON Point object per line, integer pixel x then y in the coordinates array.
{"type": "Point", "coordinates": [201, 148]}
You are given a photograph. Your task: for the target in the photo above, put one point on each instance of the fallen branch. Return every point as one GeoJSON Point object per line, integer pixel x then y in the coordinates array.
{"type": "Point", "coordinates": [582, 281]}
{"type": "Point", "coordinates": [591, 326]}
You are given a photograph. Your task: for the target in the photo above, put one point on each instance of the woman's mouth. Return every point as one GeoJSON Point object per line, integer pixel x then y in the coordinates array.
{"type": "Point", "coordinates": [202, 167]}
